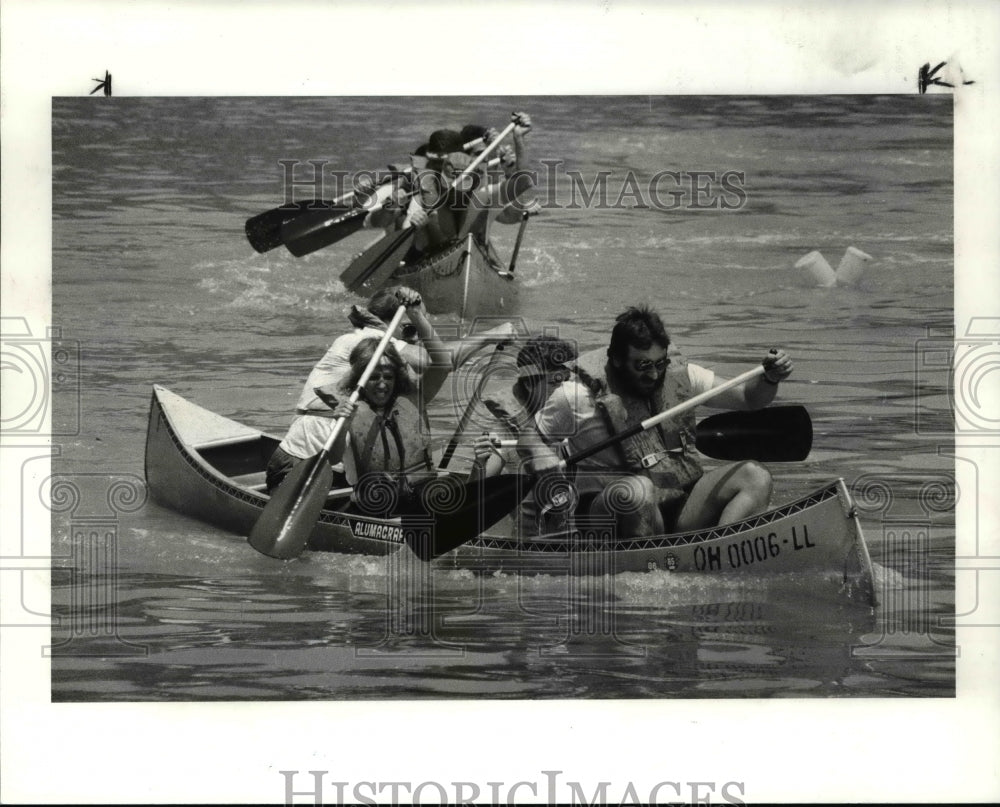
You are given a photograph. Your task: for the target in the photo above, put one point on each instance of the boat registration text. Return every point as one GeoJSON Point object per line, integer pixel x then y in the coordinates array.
{"type": "Point", "coordinates": [750, 550]}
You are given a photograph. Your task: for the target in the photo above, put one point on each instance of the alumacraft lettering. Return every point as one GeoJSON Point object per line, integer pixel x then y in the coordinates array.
{"type": "Point", "coordinates": [384, 532]}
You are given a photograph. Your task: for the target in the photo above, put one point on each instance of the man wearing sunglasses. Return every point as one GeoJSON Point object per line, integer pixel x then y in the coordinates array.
{"type": "Point", "coordinates": [652, 483]}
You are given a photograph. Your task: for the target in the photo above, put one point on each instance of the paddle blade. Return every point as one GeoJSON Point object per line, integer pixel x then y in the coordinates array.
{"type": "Point", "coordinates": [317, 229]}
{"type": "Point", "coordinates": [283, 529]}
{"type": "Point", "coordinates": [773, 434]}
{"type": "Point", "coordinates": [263, 231]}
{"type": "Point", "coordinates": [433, 531]}
{"type": "Point", "coordinates": [373, 267]}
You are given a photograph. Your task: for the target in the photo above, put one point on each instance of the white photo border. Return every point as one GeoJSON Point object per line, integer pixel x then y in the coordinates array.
{"type": "Point", "coordinates": [822, 750]}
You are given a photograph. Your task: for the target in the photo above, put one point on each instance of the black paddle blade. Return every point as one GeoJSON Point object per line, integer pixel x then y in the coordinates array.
{"type": "Point", "coordinates": [283, 529]}
{"type": "Point", "coordinates": [373, 267]}
{"type": "Point", "coordinates": [453, 512]}
{"type": "Point", "coordinates": [317, 229]}
{"type": "Point", "coordinates": [263, 231]}
{"type": "Point", "coordinates": [773, 434]}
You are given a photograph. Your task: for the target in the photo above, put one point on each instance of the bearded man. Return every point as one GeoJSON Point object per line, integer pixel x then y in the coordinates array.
{"type": "Point", "coordinates": [651, 483]}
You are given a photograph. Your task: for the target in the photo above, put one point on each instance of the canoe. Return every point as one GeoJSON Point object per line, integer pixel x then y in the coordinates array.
{"type": "Point", "coordinates": [209, 467]}
{"type": "Point", "coordinates": [450, 283]}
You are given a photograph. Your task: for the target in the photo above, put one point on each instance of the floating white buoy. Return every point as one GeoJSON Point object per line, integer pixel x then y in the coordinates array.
{"type": "Point", "coordinates": [852, 266]}
{"type": "Point", "coordinates": [817, 266]}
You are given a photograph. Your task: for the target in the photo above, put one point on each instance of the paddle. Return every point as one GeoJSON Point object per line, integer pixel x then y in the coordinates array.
{"type": "Point", "coordinates": [311, 232]}
{"type": "Point", "coordinates": [488, 500]}
{"type": "Point", "coordinates": [317, 229]}
{"type": "Point", "coordinates": [283, 528]}
{"type": "Point", "coordinates": [463, 421]}
{"type": "Point", "coordinates": [303, 235]}
{"type": "Point", "coordinates": [774, 434]}
{"type": "Point", "coordinates": [264, 230]}
{"type": "Point", "coordinates": [517, 242]}
{"type": "Point", "coordinates": [375, 265]}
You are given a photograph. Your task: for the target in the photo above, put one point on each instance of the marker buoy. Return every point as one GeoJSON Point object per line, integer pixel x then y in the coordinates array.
{"type": "Point", "coordinates": [818, 268]}
{"type": "Point", "coordinates": [852, 266]}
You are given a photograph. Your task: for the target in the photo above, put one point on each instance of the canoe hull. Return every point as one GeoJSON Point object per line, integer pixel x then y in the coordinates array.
{"type": "Point", "coordinates": [220, 480]}
{"type": "Point", "coordinates": [448, 283]}
{"type": "Point", "coordinates": [211, 468]}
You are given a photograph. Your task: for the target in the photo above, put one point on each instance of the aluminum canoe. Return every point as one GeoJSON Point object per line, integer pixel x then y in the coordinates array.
{"type": "Point", "coordinates": [211, 468]}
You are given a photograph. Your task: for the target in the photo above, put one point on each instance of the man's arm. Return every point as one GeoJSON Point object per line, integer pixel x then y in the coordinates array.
{"type": "Point", "coordinates": [437, 358]}
{"type": "Point", "coordinates": [523, 121]}
{"type": "Point", "coordinates": [758, 392]}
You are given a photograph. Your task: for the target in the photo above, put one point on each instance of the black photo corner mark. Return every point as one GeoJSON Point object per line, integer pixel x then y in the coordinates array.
{"type": "Point", "coordinates": [927, 77]}
{"type": "Point", "coordinates": [105, 84]}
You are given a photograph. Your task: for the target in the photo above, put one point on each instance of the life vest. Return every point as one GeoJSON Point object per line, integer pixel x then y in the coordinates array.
{"type": "Point", "coordinates": [396, 442]}
{"type": "Point", "coordinates": [662, 453]}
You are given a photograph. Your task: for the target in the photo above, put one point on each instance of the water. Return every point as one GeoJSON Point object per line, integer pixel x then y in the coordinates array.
{"type": "Point", "coordinates": [153, 277]}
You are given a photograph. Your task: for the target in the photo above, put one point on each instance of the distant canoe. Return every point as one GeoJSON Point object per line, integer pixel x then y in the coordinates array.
{"type": "Point", "coordinates": [451, 282]}
{"type": "Point", "coordinates": [209, 467]}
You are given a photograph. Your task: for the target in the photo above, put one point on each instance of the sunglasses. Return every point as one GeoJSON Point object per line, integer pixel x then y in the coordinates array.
{"type": "Point", "coordinates": [645, 365]}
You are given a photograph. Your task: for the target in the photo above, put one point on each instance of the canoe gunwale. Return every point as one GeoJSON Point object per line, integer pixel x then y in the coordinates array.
{"type": "Point", "coordinates": [191, 456]}
{"type": "Point", "coordinates": [215, 498]}
{"type": "Point", "coordinates": [546, 543]}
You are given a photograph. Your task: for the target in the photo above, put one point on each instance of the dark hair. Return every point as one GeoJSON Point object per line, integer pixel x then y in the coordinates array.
{"type": "Point", "coordinates": [384, 303]}
{"type": "Point", "coordinates": [444, 141]}
{"type": "Point", "coordinates": [639, 328]}
{"type": "Point", "coordinates": [472, 132]}
{"type": "Point", "coordinates": [362, 355]}
{"type": "Point", "coordinates": [549, 353]}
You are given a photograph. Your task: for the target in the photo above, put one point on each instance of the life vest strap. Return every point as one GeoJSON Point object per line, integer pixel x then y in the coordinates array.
{"type": "Point", "coordinates": [657, 456]}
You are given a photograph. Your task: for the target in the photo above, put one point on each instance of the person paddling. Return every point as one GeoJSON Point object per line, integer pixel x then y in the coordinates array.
{"type": "Point", "coordinates": [542, 364]}
{"type": "Point", "coordinates": [387, 447]}
{"type": "Point", "coordinates": [313, 420]}
{"type": "Point", "coordinates": [651, 483]}
{"type": "Point", "coordinates": [445, 159]}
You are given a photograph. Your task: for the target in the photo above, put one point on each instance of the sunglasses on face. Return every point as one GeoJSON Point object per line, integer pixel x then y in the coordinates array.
{"type": "Point", "coordinates": [645, 365]}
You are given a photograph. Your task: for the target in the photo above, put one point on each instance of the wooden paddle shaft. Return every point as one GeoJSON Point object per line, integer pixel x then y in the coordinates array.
{"type": "Point", "coordinates": [475, 163]}
{"type": "Point", "coordinates": [517, 242]}
{"type": "Point", "coordinates": [379, 350]}
{"type": "Point", "coordinates": [690, 403]}
{"type": "Point", "coordinates": [486, 151]}
{"type": "Point", "coordinates": [655, 420]}
{"type": "Point", "coordinates": [463, 421]}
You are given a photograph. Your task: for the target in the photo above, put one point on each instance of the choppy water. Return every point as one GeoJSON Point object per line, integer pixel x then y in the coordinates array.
{"type": "Point", "coordinates": [154, 279]}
